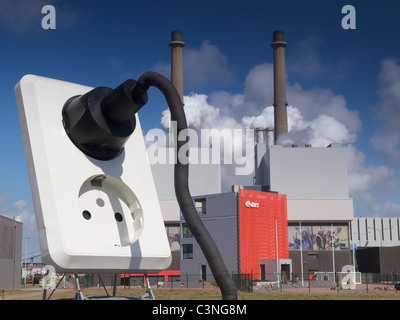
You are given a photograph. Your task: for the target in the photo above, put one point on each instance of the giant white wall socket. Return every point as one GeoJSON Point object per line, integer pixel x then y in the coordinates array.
{"type": "Point", "coordinates": [91, 215]}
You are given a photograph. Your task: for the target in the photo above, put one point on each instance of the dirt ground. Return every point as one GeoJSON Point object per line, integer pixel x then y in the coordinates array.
{"type": "Point", "coordinates": [36, 293]}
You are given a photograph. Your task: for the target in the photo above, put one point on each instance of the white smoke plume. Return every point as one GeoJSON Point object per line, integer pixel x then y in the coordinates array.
{"type": "Point", "coordinates": [200, 114]}
{"type": "Point", "coordinates": [319, 131]}
{"type": "Point", "coordinates": [318, 117]}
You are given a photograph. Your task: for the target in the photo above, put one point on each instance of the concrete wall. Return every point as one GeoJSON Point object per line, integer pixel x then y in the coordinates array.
{"type": "Point", "coordinates": [319, 210]}
{"type": "Point", "coordinates": [314, 180]}
{"type": "Point", "coordinates": [10, 253]}
{"type": "Point", "coordinates": [309, 173]}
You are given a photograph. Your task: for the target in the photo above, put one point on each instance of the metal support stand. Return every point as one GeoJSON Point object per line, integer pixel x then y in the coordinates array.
{"type": "Point", "coordinates": [102, 283]}
{"type": "Point", "coordinates": [115, 285]}
{"type": "Point", "coordinates": [78, 295]}
{"type": "Point", "coordinates": [149, 292]}
{"type": "Point", "coordinates": [44, 297]}
{"type": "Point", "coordinates": [44, 287]}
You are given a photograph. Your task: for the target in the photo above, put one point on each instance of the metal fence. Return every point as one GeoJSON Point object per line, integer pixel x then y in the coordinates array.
{"type": "Point", "coordinates": [323, 282]}
{"type": "Point", "coordinates": [271, 283]}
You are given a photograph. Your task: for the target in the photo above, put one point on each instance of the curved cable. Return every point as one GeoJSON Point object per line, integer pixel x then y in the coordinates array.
{"type": "Point", "coordinates": [181, 174]}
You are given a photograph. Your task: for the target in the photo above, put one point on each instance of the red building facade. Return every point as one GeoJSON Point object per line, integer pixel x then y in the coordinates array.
{"type": "Point", "coordinates": [263, 229]}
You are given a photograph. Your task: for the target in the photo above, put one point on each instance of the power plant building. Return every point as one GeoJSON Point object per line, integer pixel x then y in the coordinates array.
{"type": "Point", "coordinates": [312, 182]}
{"type": "Point", "coordinates": [297, 217]}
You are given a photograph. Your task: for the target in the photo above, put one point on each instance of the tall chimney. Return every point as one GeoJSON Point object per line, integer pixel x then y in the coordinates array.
{"type": "Point", "coordinates": [280, 103]}
{"type": "Point", "coordinates": [176, 45]}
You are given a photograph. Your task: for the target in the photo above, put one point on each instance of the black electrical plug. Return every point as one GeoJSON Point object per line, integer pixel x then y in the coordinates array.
{"type": "Point", "coordinates": [100, 122]}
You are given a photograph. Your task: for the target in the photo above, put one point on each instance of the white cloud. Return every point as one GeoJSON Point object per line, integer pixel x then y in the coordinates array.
{"type": "Point", "coordinates": [319, 132]}
{"type": "Point", "coordinates": [263, 120]}
{"type": "Point", "coordinates": [377, 185]}
{"type": "Point", "coordinates": [311, 104]}
{"type": "Point", "coordinates": [386, 209]}
{"type": "Point", "coordinates": [11, 208]}
{"type": "Point", "coordinates": [259, 87]}
{"type": "Point", "coordinates": [386, 139]}
{"type": "Point", "coordinates": [319, 117]}
{"type": "Point", "coordinates": [199, 114]}
{"type": "Point", "coordinates": [317, 101]}
{"type": "Point", "coordinates": [371, 186]}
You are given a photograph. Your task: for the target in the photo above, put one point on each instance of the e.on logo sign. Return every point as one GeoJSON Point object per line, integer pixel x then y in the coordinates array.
{"type": "Point", "coordinates": [250, 204]}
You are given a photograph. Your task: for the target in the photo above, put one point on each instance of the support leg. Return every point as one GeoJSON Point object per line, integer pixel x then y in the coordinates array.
{"type": "Point", "coordinates": [78, 295]}
{"type": "Point", "coordinates": [115, 285]}
{"type": "Point", "coordinates": [149, 292]}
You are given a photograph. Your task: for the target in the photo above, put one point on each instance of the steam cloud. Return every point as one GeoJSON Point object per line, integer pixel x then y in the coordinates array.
{"type": "Point", "coordinates": [318, 117]}
{"type": "Point", "coordinates": [310, 123]}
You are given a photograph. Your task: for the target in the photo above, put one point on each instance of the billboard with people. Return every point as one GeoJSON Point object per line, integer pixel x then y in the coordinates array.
{"type": "Point", "coordinates": [318, 237]}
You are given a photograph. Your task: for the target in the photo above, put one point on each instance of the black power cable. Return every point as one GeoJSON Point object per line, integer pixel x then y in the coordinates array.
{"type": "Point", "coordinates": [100, 122]}
{"type": "Point", "coordinates": [196, 226]}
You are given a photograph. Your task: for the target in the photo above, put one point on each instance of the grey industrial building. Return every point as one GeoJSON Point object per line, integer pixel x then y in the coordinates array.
{"type": "Point", "coordinates": [315, 183]}
{"type": "Point", "coordinates": [10, 253]}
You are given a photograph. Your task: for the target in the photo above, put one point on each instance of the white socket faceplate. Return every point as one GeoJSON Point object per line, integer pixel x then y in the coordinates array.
{"type": "Point", "coordinates": [91, 215]}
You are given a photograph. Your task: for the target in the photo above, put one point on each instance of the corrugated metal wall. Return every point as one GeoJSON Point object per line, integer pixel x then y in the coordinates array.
{"type": "Point", "coordinates": [375, 231]}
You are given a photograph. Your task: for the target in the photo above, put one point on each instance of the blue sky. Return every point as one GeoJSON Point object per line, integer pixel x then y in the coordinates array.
{"type": "Point", "coordinates": [347, 81]}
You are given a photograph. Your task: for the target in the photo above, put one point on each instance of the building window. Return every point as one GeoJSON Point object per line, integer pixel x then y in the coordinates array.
{"type": "Point", "coordinates": [186, 231]}
{"type": "Point", "coordinates": [187, 251]}
{"type": "Point", "coordinates": [173, 236]}
{"type": "Point", "coordinates": [200, 205]}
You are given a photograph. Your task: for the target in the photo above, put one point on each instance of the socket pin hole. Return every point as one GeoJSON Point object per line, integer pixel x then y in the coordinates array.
{"type": "Point", "coordinates": [86, 214]}
{"type": "Point", "coordinates": [118, 217]}
{"type": "Point", "coordinates": [100, 202]}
